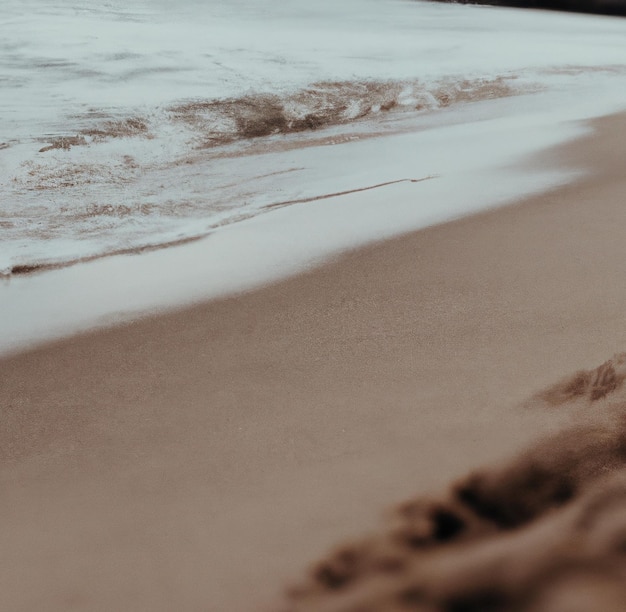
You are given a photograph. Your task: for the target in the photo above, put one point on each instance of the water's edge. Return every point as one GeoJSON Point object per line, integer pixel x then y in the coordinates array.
{"type": "Point", "coordinates": [288, 240]}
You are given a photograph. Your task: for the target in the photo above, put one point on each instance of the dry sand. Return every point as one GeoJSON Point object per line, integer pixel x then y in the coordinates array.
{"type": "Point", "coordinates": [545, 532]}
{"type": "Point", "coordinates": [201, 460]}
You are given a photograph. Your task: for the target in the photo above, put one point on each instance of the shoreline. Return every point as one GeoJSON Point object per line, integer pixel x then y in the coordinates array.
{"type": "Point", "coordinates": [483, 154]}
{"type": "Point", "coordinates": [201, 458]}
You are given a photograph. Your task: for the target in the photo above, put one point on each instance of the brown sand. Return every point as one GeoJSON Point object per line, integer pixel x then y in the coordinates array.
{"type": "Point", "coordinates": [545, 532]}
{"type": "Point", "coordinates": [200, 460]}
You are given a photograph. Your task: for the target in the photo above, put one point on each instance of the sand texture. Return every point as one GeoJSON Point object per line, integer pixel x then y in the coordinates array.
{"type": "Point", "coordinates": [204, 459]}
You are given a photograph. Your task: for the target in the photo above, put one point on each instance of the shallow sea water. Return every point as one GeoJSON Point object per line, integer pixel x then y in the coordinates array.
{"type": "Point", "coordinates": [127, 125]}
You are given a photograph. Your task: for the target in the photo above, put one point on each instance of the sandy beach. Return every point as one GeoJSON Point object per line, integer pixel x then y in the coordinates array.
{"type": "Point", "coordinates": [203, 459]}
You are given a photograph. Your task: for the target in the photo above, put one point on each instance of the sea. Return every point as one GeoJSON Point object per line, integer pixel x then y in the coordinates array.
{"type": "Point", "coordinates": [129, 127]}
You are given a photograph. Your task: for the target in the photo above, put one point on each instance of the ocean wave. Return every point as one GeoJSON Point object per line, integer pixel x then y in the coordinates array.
{"type": "Point", "coordinates": [214, 122]}
{"type": "Point", "coordinates": [326, 103]}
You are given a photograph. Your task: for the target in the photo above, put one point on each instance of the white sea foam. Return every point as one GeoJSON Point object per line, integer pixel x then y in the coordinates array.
{"type": "Point", "coordinates": [137, 124]}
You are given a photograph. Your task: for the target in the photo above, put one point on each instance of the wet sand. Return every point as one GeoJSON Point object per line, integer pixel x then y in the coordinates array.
{"type": "Point", "coordinates": [201, 460]}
